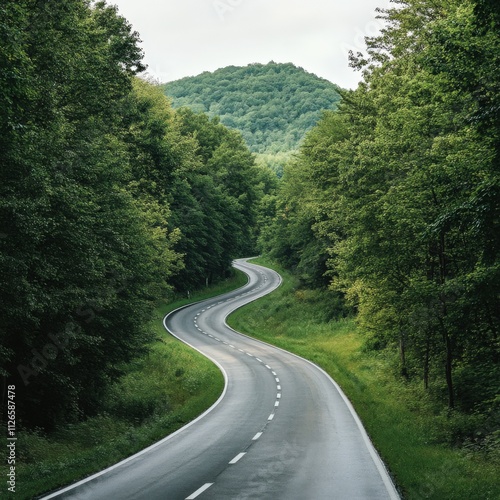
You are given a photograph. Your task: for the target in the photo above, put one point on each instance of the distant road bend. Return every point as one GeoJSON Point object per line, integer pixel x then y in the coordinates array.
{"type": "Point", "coordinates": [282, 429]}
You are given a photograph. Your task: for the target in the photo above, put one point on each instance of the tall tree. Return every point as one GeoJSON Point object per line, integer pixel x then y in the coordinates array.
{"type": "Point", "coordinates": [79, 253]}
{"type": "Point", "coordinates": [215, 202]}
{"type": "Point", "coordinates": [401, 186]}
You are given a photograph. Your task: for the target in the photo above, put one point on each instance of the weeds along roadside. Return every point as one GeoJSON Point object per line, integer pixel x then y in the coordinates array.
{"type": "Point", "coordinates": [407, 430]}
{"type": "Point", "coordinates": [158, 394]}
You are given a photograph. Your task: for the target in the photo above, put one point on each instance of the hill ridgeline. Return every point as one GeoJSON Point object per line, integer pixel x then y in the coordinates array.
{"type": "Point", "coordinates": [272, 105]}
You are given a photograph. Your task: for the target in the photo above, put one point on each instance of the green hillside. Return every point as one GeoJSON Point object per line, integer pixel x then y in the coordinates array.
{"type": "Point", "coordinates": [273, 105]}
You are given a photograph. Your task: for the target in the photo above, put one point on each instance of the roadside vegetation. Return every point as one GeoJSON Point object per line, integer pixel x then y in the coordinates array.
{"type": "Point", "coordinates": [158, 393]}
{"type": "Point", "coordinates": [415, 436]}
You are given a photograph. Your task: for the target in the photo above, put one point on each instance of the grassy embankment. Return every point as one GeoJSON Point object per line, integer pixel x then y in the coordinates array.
{"type": "Point", "coordinates": [160, 393]}
{"type": "Point", "coordinates": [408, 429]}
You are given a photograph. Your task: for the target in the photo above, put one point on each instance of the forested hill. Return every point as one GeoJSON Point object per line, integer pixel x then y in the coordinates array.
{"type": "Point", "coordinates": [273, 105]}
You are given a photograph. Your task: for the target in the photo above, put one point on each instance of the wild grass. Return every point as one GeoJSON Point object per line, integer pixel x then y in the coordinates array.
{"type": "Point", "coordinates": [158, 394]}
{"type": "Point", "coordinates": [400, 418]}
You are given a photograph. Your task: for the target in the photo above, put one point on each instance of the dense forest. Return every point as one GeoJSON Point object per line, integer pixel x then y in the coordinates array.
{"type": "Point", "coordinates": [109, 200]}
{"type": "Point", "coordinates": [393, 204]}
{"type": "Point", "coordinates": [273, 105]}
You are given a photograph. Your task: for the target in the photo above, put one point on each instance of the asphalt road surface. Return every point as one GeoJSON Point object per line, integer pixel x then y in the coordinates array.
{"type": "Point", "coordinates": [282, 429]}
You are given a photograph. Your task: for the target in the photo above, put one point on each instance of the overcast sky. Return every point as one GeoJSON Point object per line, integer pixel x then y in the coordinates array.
{"type": "Point", "coordinates": [186, 37]}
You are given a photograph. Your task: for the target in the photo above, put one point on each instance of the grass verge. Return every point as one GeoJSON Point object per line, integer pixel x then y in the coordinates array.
{"type": "Point", "coordinates": [398, 418]}
{"type": "Point", "coordinates": [158, 394]}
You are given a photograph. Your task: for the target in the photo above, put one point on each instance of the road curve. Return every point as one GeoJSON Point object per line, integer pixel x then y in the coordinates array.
{"type": "Point", "coordinates": [282, 429]}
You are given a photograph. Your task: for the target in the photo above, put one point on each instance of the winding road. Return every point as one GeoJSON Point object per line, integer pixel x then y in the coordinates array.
{"type": "Point", "coordinates": [281, 430]}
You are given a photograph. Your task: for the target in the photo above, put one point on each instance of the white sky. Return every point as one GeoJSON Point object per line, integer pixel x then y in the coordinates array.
{"type": "Point", "coordinates": [186, 37]}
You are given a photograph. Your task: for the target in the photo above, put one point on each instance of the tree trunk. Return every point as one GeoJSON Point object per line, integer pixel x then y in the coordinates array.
{"type": "Point", "coordinates": [402, 355]}
{"type": "Point", "coordinates": [449, 371]}
{"type": "Point", "coordinates": [426, 363]}
{"type": "Point", "coordinates": [449, 354]}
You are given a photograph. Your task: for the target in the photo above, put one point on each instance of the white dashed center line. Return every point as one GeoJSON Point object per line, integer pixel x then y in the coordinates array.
{"type": "Point", "coordinates": [237, 458]}
{"type": "Point", "coordinates": [198, 492]}
{"type": "Point", "coordinates": [257, 436]}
